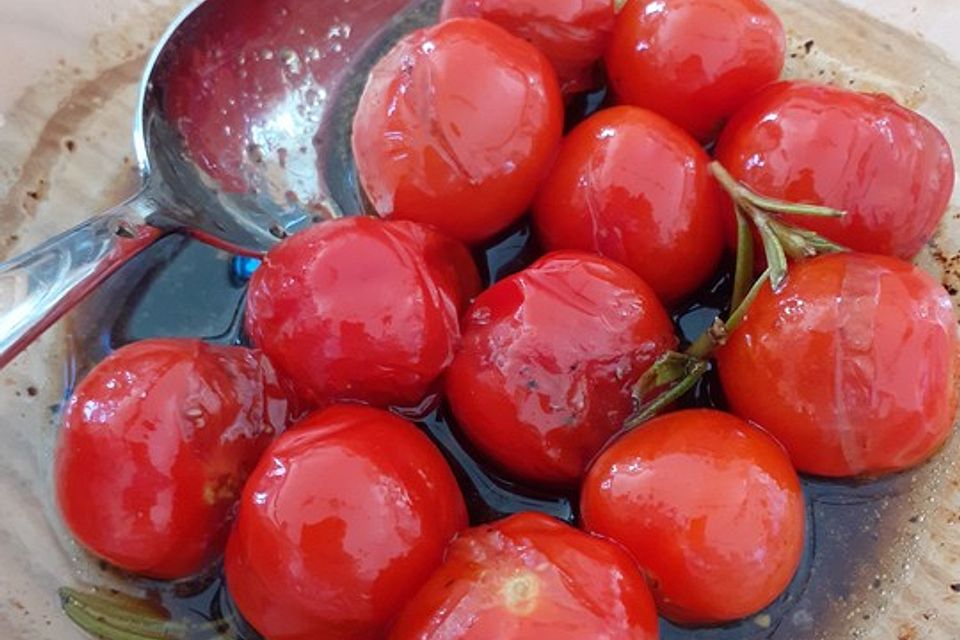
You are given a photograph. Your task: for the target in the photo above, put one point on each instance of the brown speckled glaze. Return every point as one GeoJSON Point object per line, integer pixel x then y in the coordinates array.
{"type": "Point", "coordinates": [65, 151]}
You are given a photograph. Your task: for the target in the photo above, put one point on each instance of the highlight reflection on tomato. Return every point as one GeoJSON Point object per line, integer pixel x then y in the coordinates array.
{"type": "Point", "coordinates": [694, 62]}
{"type": "Point", "coordinates": [344, 518]}
{"type": "Point", "coordinates": [710, 508]}
{"type": "Point", "coordinates": [543, 378]}
{"type": "Point", "coordinates": [635, 188]}
{"type": "Point", "coordinates": [572, 33]}
{"type": "Point", "coordinates": [456, 128]}
{"type": "Point", "coordinates": [531, 577]}
{"type": "Point", "coordinates": [157, 442]}
{"type": "Point", "coordinates": [888, 167]}
{"type": "Point", "coordinates": [361, 309]}
{"type": "Point", "coordinates": [863, 354]}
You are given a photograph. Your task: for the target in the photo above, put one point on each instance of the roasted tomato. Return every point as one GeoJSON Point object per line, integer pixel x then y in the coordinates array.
{"type": "Point", "coordinates": [852, 366]}
{"type": "Point", "coordinates": [573, 34]}
{"type": "Point", "coordinates": [531, 577]}
{"type": "Point", "coordinates": [635, 188]}
{"type": "Point", "coordinates": [710, 508]}
{"type": "Point", "coordinates": [457, 127]}
{"type": "Point", "coordinates": [694, 61]}
{"type": "Point", "coordinates": [361, 309]}
{"type": "Point", "coordinates": [345, 517]}
{"type": "Point", "coordinates": [156, 444]}
{"type": "Point", "coordinates": [889, 168]}
{"type": "Point", "coordinates": [549, 356]}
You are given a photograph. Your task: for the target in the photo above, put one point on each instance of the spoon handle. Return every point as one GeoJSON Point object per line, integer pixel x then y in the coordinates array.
{"type": "Point", "coordinates": [39, 286]}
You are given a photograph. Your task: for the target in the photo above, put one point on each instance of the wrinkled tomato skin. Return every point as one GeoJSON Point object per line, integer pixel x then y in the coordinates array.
{"type": "Point", "coordinates": [361, 309]}
{"type": "Point", "coordinates": [457, 127]}
{"type": "Point", "coordinates": [549, 355]}
{"type": "Point", "coordinates": [157, 442]}
{"type": "Point", "coordinates": [345, 517]}
{"type": "Point", "coordinates": [710, 508]}
{"type": "Point", "coordinates": [889, 168]}
{"type": "Point", "coordinates": [573, 34]}
{"type": "Point", "coordinates": [695, 62]}
{"type": "Point", "coordinates": [852, 366]}
{"type": "Point", "coordinates": [531, 577]}
{"type": "Point", "coordinates": [635, 188]}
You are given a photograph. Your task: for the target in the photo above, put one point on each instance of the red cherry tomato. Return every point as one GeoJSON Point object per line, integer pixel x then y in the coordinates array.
{"type": "Point", "coordinates": [345, 517]}
{"type": "Point", "coordinates": [156, 444]}
{"type": "Point", "coordinates": [888, 167]}
{"type": "Point", "coordinates": [708, 505]}
{"type": "Point", "coordinates": [694, 61]}
{"type": "Point", "coordinates": [360, 309]}
{"type": "Point", "coordinates": [457, 127]}
{"type": "Point", "coordinates": [531, 577]}
{"type": "Point", "coordinates": [548, 359]}
{"type": "Point", "coordinates": [852, 366]}
{"type": "Point", "coordinates": [572, 33]}
{"type": "Point", "coordinates": [635, 188]}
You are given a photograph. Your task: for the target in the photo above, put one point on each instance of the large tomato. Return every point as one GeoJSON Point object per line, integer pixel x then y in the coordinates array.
{"type": "Point", "coordinates": [694, 61]}
{"type": "Point", "coordinates": [456, 128]}
{"type": "Point", "coordinates": [156, 444]}
{"type": "Point", "coordinates": [710, 508]}
{"type": "Point", "coordinates": [888, 167]}
{"type": "Point", "coordinates": [344, 518]}
{"type": "Point", "coordinates": [531, 577]}
{"type": "Point", "coordinates": [852, 366]}
{"type": "Point", "coordinates": [361, 309]}
{"type": "Point", "coordinates": [635, 188]}
{"type": "Point", "coordinates": [573, 34]}
{"type": "Point", "coordinates": [549, 356]}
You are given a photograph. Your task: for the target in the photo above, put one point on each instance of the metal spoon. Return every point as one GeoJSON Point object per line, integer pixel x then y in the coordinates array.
{"type": "Point", "coordinates": [241, 135]}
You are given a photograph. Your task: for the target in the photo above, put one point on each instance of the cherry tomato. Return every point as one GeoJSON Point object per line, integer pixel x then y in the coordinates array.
{"type": "Point", "coordinates": [710, 508]}
{"type": "Point", "coordinates": [344, 518]}
{"type": "Point", "coordinates": [531, 577]}
{"type": "Point", "coordinates": [156, 444]}
{"type": "Point", "coordinates": [852, 366]}
{"type": "Point", "coordinates": [889, 168]}
{"type": "Point", "coordinates": [457, 127]}
{"type": "Point", "coordinates": [361, 309]}
{"type": "Point", "coordinates": [635, 188]}
{"type": "Point", "coordinates": [572, 33]}
{"type": "Point", "coordinates": [549, 355]}
{"type": "Point", "coordinates": [694, 62]}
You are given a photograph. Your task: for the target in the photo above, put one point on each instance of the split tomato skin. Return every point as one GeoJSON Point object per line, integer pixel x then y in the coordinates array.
{"type": "Point", "coordinates": [573, 34]}
{"type": "Point", "coordinates": [156, 444]}
{"type": "Point", "coordinates": [549, 355]}
{"type": "Point", "coordinates": [694, 62]}
{"type": "Point", "coordinates": [361, 309]}
{"type": "Point", "coordinates": [633, 187]}
{"type": "Point", "coordinates": [710, 508]}
{"type": "Point", "coordinates": [852, 366]}
{"type": "Point", "coordinates": [456, 128]}
{"type": "Point", "coordinates": [530, 577]}
{"type": "Point", "coordinates": [346, 515]}
{"type": "Point", "coordinates": [888, 167]}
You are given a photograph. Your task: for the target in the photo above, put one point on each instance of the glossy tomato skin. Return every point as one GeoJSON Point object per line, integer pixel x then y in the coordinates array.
{"type": "Point", "coordinates": [549, 355]}
{"type": "Point", "coordinates": [156, 444]}
{"type": "Point", "coordinates": [862, 352]}
{"type": "Point", "coordinates": [345, 517]}
{"type": "Point", "coordinates": [457, 126]}
{"type": "Point", "coordinates": [694, 62]}
{"type": "Point", "coordinates": [632, 186]}
{"type": "Point", "coordinates": [361, 309]}
{"type": "Point", "coordinates": [573, 34]}
{"type": "Point", "coordinates": [710, 508]}
{"type": "Point", "coordinates": [889, 168]}
{"type": "Point", "coordinates": [530, 577]}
